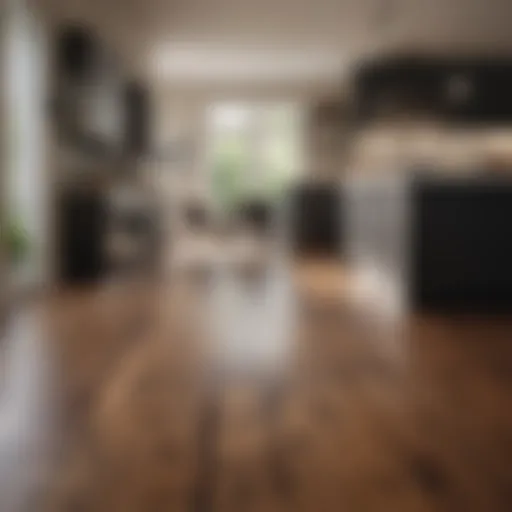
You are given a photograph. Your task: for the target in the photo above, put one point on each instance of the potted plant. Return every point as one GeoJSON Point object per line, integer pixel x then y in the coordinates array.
{"type": "Point", "coordinates": [15, 246]}
{"type": "Point", "coordinates": [15, 242]}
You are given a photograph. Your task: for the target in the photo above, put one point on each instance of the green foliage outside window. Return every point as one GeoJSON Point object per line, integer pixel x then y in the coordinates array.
{"type": "Point", "coordinates": [246, 169]}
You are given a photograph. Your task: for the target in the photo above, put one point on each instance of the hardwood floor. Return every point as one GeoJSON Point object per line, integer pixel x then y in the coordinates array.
{"type": "Point", "coordinates": [263, 391]}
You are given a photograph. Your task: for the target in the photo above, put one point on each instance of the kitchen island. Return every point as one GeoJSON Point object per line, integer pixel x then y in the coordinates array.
{"type": "Point", "coordinates": [438, 243]}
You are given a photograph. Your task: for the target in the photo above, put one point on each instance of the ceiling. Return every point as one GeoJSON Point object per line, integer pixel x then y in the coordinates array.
{"type": "Point", "coordinates": [276, 40]}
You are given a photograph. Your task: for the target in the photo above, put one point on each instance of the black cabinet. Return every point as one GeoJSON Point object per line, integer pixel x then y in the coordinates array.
{"type": "Point", "coordinates": [97, 110]}
{"type": "Point", "coordinates": [138, 119]}
{"type": "Point", "coordinates": [480, 93]}
{"type": "Point", "coordinates": [438, 244]}
{"type": "Point", "coordinates": [87, 109]}
{"type": "Point", "coordinates": [462, 244]}
{"type": "Point", "coordinates": [81, 237]}
{"type": "Point", "coordinates": [78, 52]}
{"type": "Point", "coordinates": [391, 87]}
{"type": "Point", "coordinates": [317, 219]}
{"type": "Point", "coordinates": [458, 90]}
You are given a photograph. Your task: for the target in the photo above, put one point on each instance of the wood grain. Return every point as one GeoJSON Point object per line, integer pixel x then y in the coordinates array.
{"type": "Point", "coordinates": [270, 391]}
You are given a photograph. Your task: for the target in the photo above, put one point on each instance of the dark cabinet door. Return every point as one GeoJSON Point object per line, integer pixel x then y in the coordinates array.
{"type": "Point", "coordinates": [317, 220]}
{"type": "Point", "coordinates": [480, 93]}
{"type": "Point", "coordinates": [400, 87]}
{"type": "Point", "coordinates": [469, 91]}
{"type": "Point", "coordinates": [138, 119]}
{"type": "Point", "coordinates": [82, 237]}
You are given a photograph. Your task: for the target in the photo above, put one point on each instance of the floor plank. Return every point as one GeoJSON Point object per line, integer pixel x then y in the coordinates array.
{"type": "Point", "coordinates": [269, 391]}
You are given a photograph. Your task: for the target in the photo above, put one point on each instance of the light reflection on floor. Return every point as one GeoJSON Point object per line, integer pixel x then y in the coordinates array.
{"type": "Point", "coordinates": [27, 411]}
{"type": "Point", "coordinates": [252, 320]}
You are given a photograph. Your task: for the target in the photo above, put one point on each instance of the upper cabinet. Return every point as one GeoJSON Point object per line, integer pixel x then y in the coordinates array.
{"type": "Point", "coordinates": [78, 53]}
{"type": "Point", "coordinates": [98, 111]}
{"type": "Point", "coordinates": [457, 90]}
{"type": "Point", "coordinates": [137, 108]}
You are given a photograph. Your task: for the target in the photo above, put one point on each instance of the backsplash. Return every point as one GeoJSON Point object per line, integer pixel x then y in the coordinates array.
{"type": "Point", "coordinates": [389, 148]}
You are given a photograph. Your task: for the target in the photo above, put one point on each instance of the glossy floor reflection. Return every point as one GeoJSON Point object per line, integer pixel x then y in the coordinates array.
{"type": "Point", "coordinates": [28, 408]}
{"type": "Point", "coordinates": [255, 390]}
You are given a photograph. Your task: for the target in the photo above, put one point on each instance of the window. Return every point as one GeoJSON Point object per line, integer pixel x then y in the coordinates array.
{"type": "Point", "coordinates": [255, 151]}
